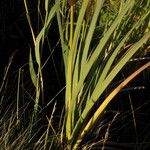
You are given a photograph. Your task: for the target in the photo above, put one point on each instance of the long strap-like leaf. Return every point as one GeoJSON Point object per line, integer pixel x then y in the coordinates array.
{"type": "Point", "coordinates": [102, 107]}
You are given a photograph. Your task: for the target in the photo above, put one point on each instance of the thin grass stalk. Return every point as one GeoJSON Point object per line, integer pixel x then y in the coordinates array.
{"type": "Point", "coordinates": [36, 105]}
{"type": "Point", "coordinates": [71, 22]}
{"type": "Point", "coordinates": [37, 59]}
{"type": "Point", "coordinates": [63, 44]}
{"type": "Point", "coordinates": [18, 96]}
{"type": "Point", "coordinates": [29, 20]}
{"type": "Point", "coordinates": [6, 73]}
{"type": "Point", "coordinates": [49, 124]}
{"type": "Point", "coordinates": [134, 118]}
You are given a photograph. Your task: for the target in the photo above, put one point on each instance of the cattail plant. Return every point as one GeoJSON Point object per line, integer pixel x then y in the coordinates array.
{"type": "Point", "coordinates": [98, 39]}
{"type": "Point", "coordinates": [95, 48]}
{"type": "Point", "coordinates": [90, 68]}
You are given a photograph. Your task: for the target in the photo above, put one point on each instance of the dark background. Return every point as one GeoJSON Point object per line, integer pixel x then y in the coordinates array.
{"type": "Point", "coordinates": [15, 38]}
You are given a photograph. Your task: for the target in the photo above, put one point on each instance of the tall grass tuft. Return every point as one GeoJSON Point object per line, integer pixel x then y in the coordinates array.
{"type": "Point", "coordinates": [91, 63]}
{"type": "Point", "coordinates": [98, 38]}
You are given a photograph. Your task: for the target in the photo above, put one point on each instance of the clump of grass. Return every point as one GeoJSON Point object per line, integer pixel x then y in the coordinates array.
{"type": "Point", "coordinates": [92, 67]}
{"type": "Point", "coordinates": [17, 128]}
{"type": "Point", "coordinates": [97, 41]}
